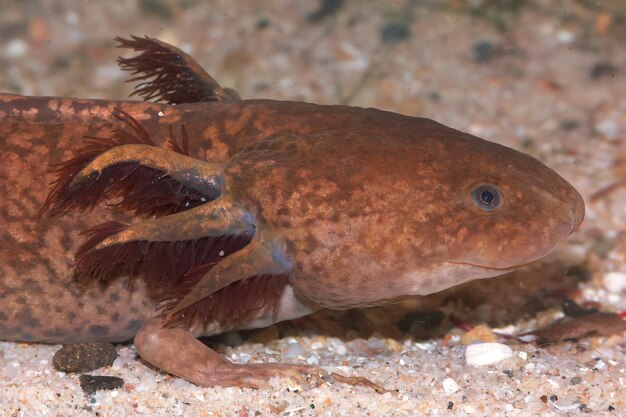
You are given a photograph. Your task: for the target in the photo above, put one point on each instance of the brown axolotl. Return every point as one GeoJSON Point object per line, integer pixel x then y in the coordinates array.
{"type": "Point", "coordinates": [207, 213]}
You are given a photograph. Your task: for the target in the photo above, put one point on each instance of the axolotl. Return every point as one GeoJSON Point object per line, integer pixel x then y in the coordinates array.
{"type": "Point", "coordinates": [199, 213]}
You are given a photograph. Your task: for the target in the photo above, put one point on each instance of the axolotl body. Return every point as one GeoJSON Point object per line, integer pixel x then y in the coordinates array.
{"type": "Point", "coordinates": [166, 222]}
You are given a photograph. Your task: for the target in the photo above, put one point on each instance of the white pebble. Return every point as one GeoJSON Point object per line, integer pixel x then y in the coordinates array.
{"type": "Point", "coordinates": [565, 36]}
{"type": "Point", "coordinates": [487, 353]}
{"type": "Point", "coordinates": [522, 355]}
{"type": "Point", "coordinates": [450, 386]}
{"type": "Point", "coordinates": [313, 360]}
{"type": "Point", "coordinates": [615, 281]}
{"type": "Point", "coordinates": [609, 128]}
{"type": "Point", "coordinates": [15, 48]}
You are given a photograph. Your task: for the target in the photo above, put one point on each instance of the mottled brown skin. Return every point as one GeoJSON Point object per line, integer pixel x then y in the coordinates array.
{"type": "Point", "coordinates": [350, 207]}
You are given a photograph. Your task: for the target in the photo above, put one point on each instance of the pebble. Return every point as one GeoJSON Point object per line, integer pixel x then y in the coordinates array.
{"type": "Point", "coordinates": [450, 386]}
{"type": "Point", "coordinates": [487, 353]}
{"type": "Point", "coordinates": [292, 351]}
{"type": "Point", "coordinates": [480, 333]}
{"type": "Point", "coordinates": [84, 357]}
{"type": "Point", "coordinates": [92, 383]}
{"type": "Point", "coordinates": [615, 281]}
{"type": "Point", "coordinates": [15, 48]}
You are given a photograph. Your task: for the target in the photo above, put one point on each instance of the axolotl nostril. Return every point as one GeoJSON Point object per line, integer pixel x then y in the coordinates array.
{"type": "Point", "coordinates": [165, 222]}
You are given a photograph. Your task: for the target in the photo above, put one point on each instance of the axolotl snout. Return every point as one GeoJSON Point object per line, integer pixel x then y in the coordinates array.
{"type": "Point", "coordinates": [231, 214]}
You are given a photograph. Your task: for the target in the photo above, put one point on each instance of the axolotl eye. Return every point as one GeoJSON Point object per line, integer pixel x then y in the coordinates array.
{"type": "Point", "coordinates": [487, 197]}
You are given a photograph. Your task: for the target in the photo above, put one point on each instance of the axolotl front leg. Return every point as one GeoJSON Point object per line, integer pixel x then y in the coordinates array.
{"type": "Point", "coordinates": [200, 253]}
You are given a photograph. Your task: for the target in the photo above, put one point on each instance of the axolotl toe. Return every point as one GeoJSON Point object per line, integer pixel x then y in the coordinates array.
{"type": "Point", "coordinates": [166, 222]}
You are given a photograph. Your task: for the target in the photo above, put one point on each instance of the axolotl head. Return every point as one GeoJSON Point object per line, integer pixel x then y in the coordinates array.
{"type": "Point", "coordinates": [498, 209]}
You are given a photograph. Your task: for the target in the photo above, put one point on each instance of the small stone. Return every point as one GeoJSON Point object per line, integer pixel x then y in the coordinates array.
{"type": "Point", "coordinates": [483, 51]}
{"type": "Point", "coordinates": [480, 333]}
{"type": "Point", "coordinates": [84, 357]}
{"type": "Point", "coordinates": [92, 383]}
{"type": "Point", "coordinates": [264, 335]}
{"type": "Point", "coordinates": [395, 32]}
{"type": "Point", "coordinates": [15, 48]}
{"type": "Point", "coordinates": [602, 69]}
{"type": "Point", "coordinates": [450, 386]}
{"type": "Point", "coordinates": [487, 353]}
{"type": "Point", "coordinates": [292, 351]}
{"type": "Point", "coordinates": [326, 8]}
{"type": "Point", "coordinates": [615, 281]}
{"type": "Point", "coordinates": [576, 380]}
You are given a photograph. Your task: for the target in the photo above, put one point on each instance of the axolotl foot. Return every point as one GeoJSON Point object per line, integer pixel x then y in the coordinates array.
{"type": "Point", "coordinates": [176, 351]}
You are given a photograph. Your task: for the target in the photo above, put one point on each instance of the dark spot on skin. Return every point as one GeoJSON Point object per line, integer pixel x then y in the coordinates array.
{"type": "Point", "coordinates": [78, 106]}
{"type": "Point", "coordinates": [316, 269]}
{"type": "Point", "coordinates": [97, 330]}
{"type": "Point", "coordinates": [20, 300]}
{"type": "Point", "coordinates": [25, 318]}
{"type": "Point", "coordinates": [114, 297]}
{"type": "Point", "coordinates": [71, 316]}
{"type": "Point", "coordinates": [33, 285]}
{"type": "Point", "coordinates": [101, 310]}
{"type": "Point", "coordinates": [115, 317]}
{"type": "Point", "coordinates": [311, 242]}
{"type": "Point", "coordinates": [284, 224]}
{"type": "Point", "coordinates": [55, 333]}
{"type": "Point", "coordinates": [45, 113]}
{"type": "Point", "coordinates": [283, 211]}
{"type": "Point", "coordinates": [66, 243]}
{"type": "Point", "coordinates": [3, 317]}
{"type": "Point", "coordinates": [58, 309]}
{"type": "Point", "coordinates": [133, 310]}
{"type": "Point", "coordinates": [134, 325]}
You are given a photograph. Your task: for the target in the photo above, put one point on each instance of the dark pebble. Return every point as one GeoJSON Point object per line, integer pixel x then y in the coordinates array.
{"type": "Point", "coordinates": [157, 8]}
{"type": "Point", "coordinates": [262, 23]}
{"type": "Point", "coordinates": [92, 383]}
{"type": "Point", "coordinates": [395, 32]}
{"type": "Point", "coordinates": [602, 69]}
{"type": "Point", "coordinates": [569, 124]}
{"type": "Point", "coordinates": [325, 9]}
{"type": "Point", "coordinates": [84, 357]}
{"type": "Point", "coordinates": [576, 380]}
{"type": "Point", "coordinates": [483, 51]}
{"type": "Point", "coordinates": [611, 408]}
